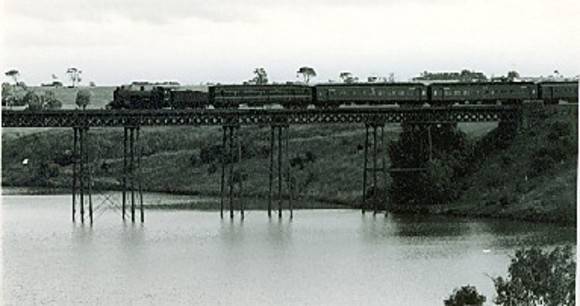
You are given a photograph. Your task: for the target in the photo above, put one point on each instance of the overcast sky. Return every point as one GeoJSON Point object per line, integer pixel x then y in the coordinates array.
{"type": "Point", "coordinates": [116, 41]}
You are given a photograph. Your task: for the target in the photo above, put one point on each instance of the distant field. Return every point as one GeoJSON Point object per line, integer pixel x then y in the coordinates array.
{"type": "Point", "coordinates": [101, 95]}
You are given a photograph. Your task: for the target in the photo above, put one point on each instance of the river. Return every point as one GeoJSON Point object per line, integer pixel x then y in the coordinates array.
{"type": "Point", "coordinates": [321, 257]}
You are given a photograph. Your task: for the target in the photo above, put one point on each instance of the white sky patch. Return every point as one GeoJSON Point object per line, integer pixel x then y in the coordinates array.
{"type": "Point", "coordinates": [116, 42]}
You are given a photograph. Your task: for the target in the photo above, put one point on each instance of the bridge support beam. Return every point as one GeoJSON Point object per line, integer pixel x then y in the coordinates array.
{"type": "Point", "coordinates": [280, 133]}
{"type": "Point", "coordinates": [378, 169]}
{"type": "Point", "coordinates": [132, 187]}
{"type": "Point", "coordinates": [82, 175]}
{"type": "Point", "coordinates": [231, 170]}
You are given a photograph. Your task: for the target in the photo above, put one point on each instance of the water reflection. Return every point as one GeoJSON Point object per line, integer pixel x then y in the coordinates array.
{"type": "Point", "coordinates": [194, 257]}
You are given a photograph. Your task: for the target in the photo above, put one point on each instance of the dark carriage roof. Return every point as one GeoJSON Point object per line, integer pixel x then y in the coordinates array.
{"type": "Point", "coordinates": [480, 83]}
{"type": "Point", "coordinates": [559, 82]}
{"type": "Point", "coordinates": [368, 84]}
{"type": "Point", "coordinates": [259, 86]}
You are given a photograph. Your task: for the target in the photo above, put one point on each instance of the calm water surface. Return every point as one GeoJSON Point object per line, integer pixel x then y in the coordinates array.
{"type": "Point", "coordinates": [322, 257]}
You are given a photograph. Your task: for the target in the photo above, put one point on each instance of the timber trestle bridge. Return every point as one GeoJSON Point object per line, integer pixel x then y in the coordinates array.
{"type": "Point", "coordinates": [279, 120]}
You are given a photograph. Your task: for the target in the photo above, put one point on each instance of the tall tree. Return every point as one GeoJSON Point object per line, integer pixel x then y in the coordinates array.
{"type": "Point", "coordinates": [74, 75]}
{"type": "Point", "coordinates": [307, 73]}
{"type": "Point", "coordinates": [14, 74]}
{"type": "Point", "coordinates": [261, 76]}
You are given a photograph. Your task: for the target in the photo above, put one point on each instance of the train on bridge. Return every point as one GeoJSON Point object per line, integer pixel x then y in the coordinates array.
{"type": "Point", "coordinates": [296, 96]}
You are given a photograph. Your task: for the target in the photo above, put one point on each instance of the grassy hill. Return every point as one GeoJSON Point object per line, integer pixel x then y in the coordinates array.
{"type": "Point", "coordinates": [534, 178]}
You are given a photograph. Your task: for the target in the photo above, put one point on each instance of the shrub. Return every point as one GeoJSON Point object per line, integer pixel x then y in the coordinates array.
{"type": "Point", "coordinates": [33, 101]}
{"type": "Point", "coordinates": [50, 100]}
{"type": "Point", "coordinates": [537, 277]}
{"type": "Point", "coordinates": [83, 98]}
{"type": "Point", "coordinates": [465, 296]}
{"type": "Point", "coordinates": [559, 129]}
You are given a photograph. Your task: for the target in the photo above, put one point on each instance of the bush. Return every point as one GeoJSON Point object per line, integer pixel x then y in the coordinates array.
{"type": "Point", "coordinates": [50, 100]}
{"type": "Point", "coordinates": [559, 129]}
{"type": "Point", "coordinates": [537, 277]}
{"type": "Point", "coordinates": [33, 101]}
{"type": "Point", "coordinates": [465, 296]}
{"type": "Point", "coordinates": [83, 98]}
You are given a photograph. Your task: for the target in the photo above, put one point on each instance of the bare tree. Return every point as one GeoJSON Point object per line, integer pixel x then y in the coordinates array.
{"type": "Point", "coordinates": [307, 73]}
{"type": "Point", "coordinates": [74, 75]}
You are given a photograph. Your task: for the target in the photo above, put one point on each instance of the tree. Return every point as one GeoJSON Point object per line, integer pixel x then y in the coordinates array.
{"type": "Point", "coordinates": [14, 74]}
{"type": "Point", "coordinates": [465, 296]}
{"type": "Point", "coordinates": [74, 75]}
{"type": "Point", "coordinates": [537, 277]}
{"type": "Point", "coordinates": [345, 75]}
{"type": "Point", "coordinates": [512, 75]}
{"type": "Point", "coordinates": [391, 78]}
{"type": "Point", "coordinates": [307, 73]}
{"type": "Point", "coordinates": [50, 101]}
{"type": "Point", "coordinates": [261, 77]}
{"type": "Point", "coordinates": [33, 101]}
{"type": "Point", "coordinates": [83, 98]}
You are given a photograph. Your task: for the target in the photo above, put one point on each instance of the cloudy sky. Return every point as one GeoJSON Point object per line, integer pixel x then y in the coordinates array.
{"type": "Point", "coordinates": [116, 41]}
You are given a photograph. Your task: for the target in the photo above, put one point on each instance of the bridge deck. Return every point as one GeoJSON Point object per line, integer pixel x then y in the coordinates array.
{"type": "Point", "coordinates": [107, 118]}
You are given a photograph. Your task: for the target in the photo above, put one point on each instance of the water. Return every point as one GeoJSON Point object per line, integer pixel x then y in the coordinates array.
{"type": "Point", "coordinates": [322, 257]}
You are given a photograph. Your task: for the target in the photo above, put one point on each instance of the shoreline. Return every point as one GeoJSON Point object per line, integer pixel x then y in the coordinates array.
{"type": "Point", "coordinates": [259, 204]}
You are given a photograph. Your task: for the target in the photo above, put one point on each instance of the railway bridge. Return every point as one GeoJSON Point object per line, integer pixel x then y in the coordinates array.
{"type": "Point", "coordinates": [279, 121]}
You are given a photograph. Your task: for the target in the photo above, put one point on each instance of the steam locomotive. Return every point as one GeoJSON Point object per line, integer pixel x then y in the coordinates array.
{"type": "Point", "coordinates": [293, 96]}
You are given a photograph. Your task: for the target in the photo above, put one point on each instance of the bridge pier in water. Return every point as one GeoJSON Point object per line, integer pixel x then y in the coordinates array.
{"type": "Point", "coordinates": [375, 138]}
{"type": "Point", "coordinates": [231, 159]}
{"type": "Point", "coordinates": [279, 133]}
{"type": "Point", "coordinates": [132, 191]}
{"type": "Point", "coordinates": [82, 175]}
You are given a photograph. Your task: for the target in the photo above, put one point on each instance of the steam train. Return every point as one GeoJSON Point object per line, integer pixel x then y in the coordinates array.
{"type": "Point", "coordinates": [293, 96]}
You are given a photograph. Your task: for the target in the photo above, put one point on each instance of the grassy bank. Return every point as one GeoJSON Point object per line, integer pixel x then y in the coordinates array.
{"type": "Point", "coordinates": [326, 160]}
{"type": "Point", "coordinates": [533, 177]}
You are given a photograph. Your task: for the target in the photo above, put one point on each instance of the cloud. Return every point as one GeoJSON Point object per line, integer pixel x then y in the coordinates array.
{"type": "Point", "coordinates": [223, 41]}
{"type": "Point", "coordinates": [166, 11]}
